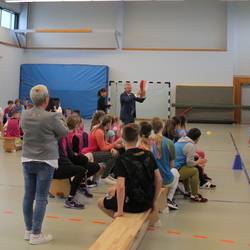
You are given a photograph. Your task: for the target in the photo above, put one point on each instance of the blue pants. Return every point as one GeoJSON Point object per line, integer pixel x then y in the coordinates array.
{"type": "Point", "coordinates": [37, 179]}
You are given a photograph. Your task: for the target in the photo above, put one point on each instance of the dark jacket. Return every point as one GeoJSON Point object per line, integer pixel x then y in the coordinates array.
{"type": "Point", "coordinates": [128, 109]}
{"type": "Point", "coordinates": [101, 104]}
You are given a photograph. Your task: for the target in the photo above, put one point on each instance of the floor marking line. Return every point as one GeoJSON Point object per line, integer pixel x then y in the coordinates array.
{"type": "Point", "coordinates": [228, 241]}
{"type": "Point", "coordinates": [99, 222]}
{"type": "Point", "coordinates": [74, 219]}
{"type": "Point", "coordinates": [53, 217]}
{"type": "Point", "coordinates": [237, 151]}
{"type": "Point", "coordinates": [228, 201]}
{"type": "Point", "coordinates": [173, 232]}
{"type": "Point", "coordinates": [200, 236]}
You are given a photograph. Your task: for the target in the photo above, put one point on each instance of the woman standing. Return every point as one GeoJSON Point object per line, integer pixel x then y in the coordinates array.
{"type": "Point", "coordinates": [101, 102]}
{"type": "Point", "coordinates": [40, 155]}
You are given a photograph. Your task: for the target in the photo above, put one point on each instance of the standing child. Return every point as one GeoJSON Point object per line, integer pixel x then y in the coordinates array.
{"type": "Point", "coordinates": [102, 100]}
{"type": "Point", "coordinates": [164, 153]}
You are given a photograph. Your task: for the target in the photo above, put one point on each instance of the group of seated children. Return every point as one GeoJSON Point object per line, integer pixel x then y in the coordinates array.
{"type": "Point", "coordinates": [152, 160]}
{"type": "Point", "coordinates": [137, 159]}
{"type": "Point", "coordinates": [122, 154]}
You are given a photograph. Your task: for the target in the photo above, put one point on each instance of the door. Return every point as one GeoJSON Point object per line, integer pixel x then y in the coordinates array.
{"type": "Point", "coordinates": [245, 101]}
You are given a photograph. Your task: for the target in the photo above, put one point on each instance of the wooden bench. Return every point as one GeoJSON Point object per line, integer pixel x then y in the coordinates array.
{"type": "Point", "coordinates": [11, 144]}
{"type": "Point", "coordinates": [126, 232]}
{"type": "Point", "coordinates": [60, 188]}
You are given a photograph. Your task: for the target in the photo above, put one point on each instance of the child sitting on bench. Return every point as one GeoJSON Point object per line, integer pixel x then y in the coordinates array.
{"type": "Point", "coordinates": [164, 153]}
{"type": "Point", "coordinates": [13, 125]}
{"type": "Point", "coordinates": [138, 179]}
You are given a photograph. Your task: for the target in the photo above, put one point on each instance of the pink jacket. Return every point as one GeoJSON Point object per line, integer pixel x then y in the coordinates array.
{"type": "Point", "coordinates": [13, 128]}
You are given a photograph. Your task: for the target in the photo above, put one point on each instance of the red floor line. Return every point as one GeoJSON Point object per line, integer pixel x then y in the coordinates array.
{"type": "Point", "coordinates": [74, 219]}
{"type": "Point", "coordinates": [228, 241]}
{"type": "Point", "coordinates": [53, 217]}
{"type": "Point", "coordinates": [173, 232]}
{"type": "Point", "coordinates": [99, 222]}
{"type": "Point", "coordinates": [200, 236]}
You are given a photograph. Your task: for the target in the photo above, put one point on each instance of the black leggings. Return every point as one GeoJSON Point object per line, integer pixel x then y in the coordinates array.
{"type": "Point", "coordinates": [67, 170]}
{"type": "Point", "coordinates": [201, 176]}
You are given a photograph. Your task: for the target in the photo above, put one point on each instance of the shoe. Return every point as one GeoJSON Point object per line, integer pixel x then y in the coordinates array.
{"type": "Point", "coordinates": [40, 239]}
{"type": "Point", "coordinates": [208, 185]}
{"type": "Point", "coordinates": [27, 235]}
{"type": "Point", "coordinates": [91, 184]}
{"type": "Point", "coordinates": [207, 177]}
{"type": "Point", "coordinates": [172, 205]}
{"type": "Point", "coordinates": [187, 195]}
{"type": "Point", "coordinates": [86, 192]}
{"type": "Point", "coordinates": [110, 180]}
{"type": "Point", "coordinates": [198, 198]}
{"type": "Point", "coordinates": [73, 204]}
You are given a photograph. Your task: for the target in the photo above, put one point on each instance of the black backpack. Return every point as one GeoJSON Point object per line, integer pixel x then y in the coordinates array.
{"type": "Point", "coordinates": [141, 179]}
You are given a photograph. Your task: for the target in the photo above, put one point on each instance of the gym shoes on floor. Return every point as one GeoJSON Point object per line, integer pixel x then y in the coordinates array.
{"type": "Point", "coordinates": [91, 184]}
{"type": "Point", "coordinates": [172, 205]}
{"type": "Point", "coordinates": [85, 191]}
{"type": "Point", "coordinates": [208, 185]}
{"type": "Point", "coordinates": [27, 235]}
{"type": "Point", "coordinates": [71, 203]}
{"type": "Point", "coordinates": [40, 239]}
{"type": "Point", "coordinates": [198, 198]}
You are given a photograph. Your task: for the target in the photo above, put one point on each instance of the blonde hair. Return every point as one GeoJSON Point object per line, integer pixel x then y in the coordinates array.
{"type": "Point", "coordinates": [157, 125]}
{"type": "Point", "coordinates": [38, 94]}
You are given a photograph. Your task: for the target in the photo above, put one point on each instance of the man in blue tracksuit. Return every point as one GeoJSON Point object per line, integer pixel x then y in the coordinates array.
{"type": "Point", "coordinates": [127, 100]}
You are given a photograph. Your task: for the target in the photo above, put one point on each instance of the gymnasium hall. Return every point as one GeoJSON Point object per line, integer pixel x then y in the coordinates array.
{"type": "Point", "coordinates": [124, 124]}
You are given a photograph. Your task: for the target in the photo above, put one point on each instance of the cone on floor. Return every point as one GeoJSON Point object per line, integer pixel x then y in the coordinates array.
{"type": "Point", "coordinates": [237, 165]}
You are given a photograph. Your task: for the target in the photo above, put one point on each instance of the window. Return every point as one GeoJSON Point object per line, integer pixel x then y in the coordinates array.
{"type": "Point", "coordinates": [8, 19]}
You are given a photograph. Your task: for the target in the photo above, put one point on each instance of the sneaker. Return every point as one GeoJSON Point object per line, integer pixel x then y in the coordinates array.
{"type": "Point", "coordinates": [40, 239]}
{"type": "Point", "coordinates": [110, 180]}
{"type": "Point", "coordinates": [208, 185]}
{"type": "Point", "coordinates": [198, 198]}
{"type": "Point", "coordinates": [91, 184]}
{"type": "Point", "coordinates": [73, 204]}
{"type": "Point", "coordinates": [187, 195]}
{"type": "Point", "coordinates": [207, 177]}
{"type": "Point", "coordinates": [27, 235]}
{"type": "Point", "coordinates": [86, 192]}
{"type": "Point", "coordinates": [172, 205]}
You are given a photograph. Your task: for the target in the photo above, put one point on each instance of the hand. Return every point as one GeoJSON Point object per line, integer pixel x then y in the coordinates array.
{"type": "Point", "coordinates": [117, 214]}
{"type": "Point", "coordinates": [114, 152]}
{"type": "Point", "coordinates": [201, 161]}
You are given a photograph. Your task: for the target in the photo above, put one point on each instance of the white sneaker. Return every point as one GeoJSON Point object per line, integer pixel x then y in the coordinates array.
{"type": "Point", "coordinates": [27, 235]}
{"type": "Point", "coordinates": [40, 239]}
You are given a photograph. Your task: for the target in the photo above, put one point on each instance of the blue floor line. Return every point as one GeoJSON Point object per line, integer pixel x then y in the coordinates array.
{"type": "Point", "coordinates": [243, 165]}
{"type": "Point", "coordinates": [245, 171]}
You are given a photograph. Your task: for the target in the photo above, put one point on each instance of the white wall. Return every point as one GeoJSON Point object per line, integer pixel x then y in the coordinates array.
{"type": "Point", "coordinates": [10, 61]}
{"type": "Point", "coordinates": [98, 15]}
{"type": "Point", "coordinates": [176, 67]}
{"type": "Point", "coordinates": [240, 16]}
{"type": "Point", "coordinates": [181, 24]}
{"type": "Point", "coordinates": [184, 24]}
